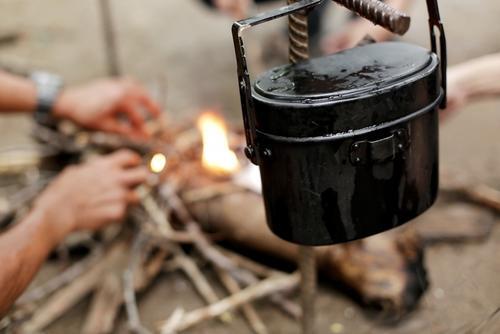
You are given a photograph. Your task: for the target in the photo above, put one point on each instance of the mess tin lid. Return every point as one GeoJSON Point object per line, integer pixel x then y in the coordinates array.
{"type": "Point", "coordinates": [357, 88]}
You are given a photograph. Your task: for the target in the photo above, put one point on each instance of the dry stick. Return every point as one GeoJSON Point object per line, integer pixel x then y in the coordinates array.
{"type": "Point", "coordinates": [68, 296]}
{"type": "Point", "coordinates": [244, 262]}
{"type": "Point", "coordinates": [183, 261]}
{"type": "Point", "coordinates": [189, 267]}
{"type": "Point", "coordinates": [200, 240]}
{"type": "Point", "coordinates": [109, 38]}
{"type": "Point", "coordinates": [253, 292]}
{"type": "Point", "coordinates": [104, 307]}
{"type": "Point", "coordinates": [481, 194]}
{"type": "Point", "coordinates": [299, 51]}
{"type": "Point", "coordinates": [22, 200]}
{"type": "Point", "coordinates": [206, 248]}
{"type": "Point", "coordinates": [10, 37]}
{"type": "Point", "coordinates": [307, 263]}
{"type": "Point", "coordinates": [133, 317]}
{"type": "Point", "coordinates": [286, 305]}
{"type": "Point", "coordinates": [199, 281]}
{"type": "Point", "coordinates": [60, 280]}
{"type": "Point", "coordinates": [484, 195]}
{"type": "Point", "coordinates": [209, 192]}
{"type": "Point", "coordinates": [248, 310]}
{"type": "Point", "coordinates": [214, 254]}
{"type": "Point", "coordinates": [159, 218]}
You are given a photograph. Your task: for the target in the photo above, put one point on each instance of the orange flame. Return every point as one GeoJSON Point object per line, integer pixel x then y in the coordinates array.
{"type": "Point", "coordinates": [217, 157]}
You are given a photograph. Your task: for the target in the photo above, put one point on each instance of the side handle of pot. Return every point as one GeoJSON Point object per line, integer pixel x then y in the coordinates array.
{"type": "Point", "coordinates": [244, 83]}
{"type": "Point", "coordinates": [379, 151]}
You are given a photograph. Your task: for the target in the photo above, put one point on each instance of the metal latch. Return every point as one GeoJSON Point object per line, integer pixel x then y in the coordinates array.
{"type": "Point", "coordinates": [379, 151]}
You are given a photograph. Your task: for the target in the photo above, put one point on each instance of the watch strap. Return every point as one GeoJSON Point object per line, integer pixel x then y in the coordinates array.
{"type": "Point", "coordinates": [48, 87]}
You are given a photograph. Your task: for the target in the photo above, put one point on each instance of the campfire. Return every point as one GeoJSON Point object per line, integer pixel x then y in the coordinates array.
{"type": "Point", "coordinates": [217, 157]}
{"type": "Point", "coordinates": [194, 195]}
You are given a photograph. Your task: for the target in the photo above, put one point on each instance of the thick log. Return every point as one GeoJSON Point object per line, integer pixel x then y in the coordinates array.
{"type": "Point", "coordinates": [385, 271]}
{"type": "Point", "coordinates": [456, 223]}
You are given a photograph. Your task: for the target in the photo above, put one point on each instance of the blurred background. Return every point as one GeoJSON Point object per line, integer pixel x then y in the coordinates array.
{"type": "Point", "coordinates": [183, 53]}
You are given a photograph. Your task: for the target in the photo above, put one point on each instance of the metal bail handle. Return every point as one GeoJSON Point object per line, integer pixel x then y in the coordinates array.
{"type": "Point", "coordinates": [244, 83]}
{"type": "Point", "coordinates": [378, 14]}
{"type": "Point", "coordinates": [435, 22]}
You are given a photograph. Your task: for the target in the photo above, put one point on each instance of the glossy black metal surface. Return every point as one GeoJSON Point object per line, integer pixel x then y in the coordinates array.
{"type": "Point", "coordinates": [355, 89]}
{"type": "Point", "coordinates": [351, 142]}
{"type": "Point", "coordinates": [315, 195]}
{"type": "Point", "coordinates": [347, 144]}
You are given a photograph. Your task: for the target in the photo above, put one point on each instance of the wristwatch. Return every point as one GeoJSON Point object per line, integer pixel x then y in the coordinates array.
{"type": "Point", "coordinates": [48, 87]}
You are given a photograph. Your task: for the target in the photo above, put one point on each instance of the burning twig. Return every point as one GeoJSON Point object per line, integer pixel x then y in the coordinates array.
{"type": "Point", "coordinates": [270, 285]}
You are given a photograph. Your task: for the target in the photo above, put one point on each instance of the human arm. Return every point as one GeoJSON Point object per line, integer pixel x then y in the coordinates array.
{"type": "Point", "coordinates": [358, 29]}
{"type": "Point", "coordinates": [472, 80]}
{"type": "Point", "coordinates": [85, 197]}
{"type": "Point", "coordinates": [113, 105]}
{"type": "Point", "coordinates": [16, 93]}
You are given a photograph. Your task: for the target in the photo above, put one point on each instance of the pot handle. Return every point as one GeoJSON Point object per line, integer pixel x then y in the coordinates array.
{"type": "Point", "coordinates": [435, 22]}
{"type": "Point", "coordinates": [377, 14]}
{"type": "Point", "coordinates": [245, 87]}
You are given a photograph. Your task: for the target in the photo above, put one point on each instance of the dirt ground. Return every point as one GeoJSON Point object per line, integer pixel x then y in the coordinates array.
{"type": "Point", "coordinates": [183, 53]}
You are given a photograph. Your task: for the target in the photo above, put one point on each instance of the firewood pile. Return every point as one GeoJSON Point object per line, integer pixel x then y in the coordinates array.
{"type": "Point", "coordinates": [185, 211]}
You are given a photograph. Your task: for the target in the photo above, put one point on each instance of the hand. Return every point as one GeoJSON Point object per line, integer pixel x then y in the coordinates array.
{"type": "Point", "coordinates": [237, 9]}
{"type": "Point", "coordinates": [101, 105]}
{"type": "Point", "coordinates": [92, 195]}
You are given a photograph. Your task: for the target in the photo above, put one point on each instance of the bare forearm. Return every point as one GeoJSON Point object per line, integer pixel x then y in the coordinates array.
{"type": "Point", "coordinates": [22, 251]}
{"type": "Point", "coordinates": [477, 78]}
{"type": "Point", "coordinates": [16, 93]}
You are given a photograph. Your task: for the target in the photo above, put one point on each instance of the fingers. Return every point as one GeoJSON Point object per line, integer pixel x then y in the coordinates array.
{"type": "Point", "coordinates": [132, 111]}
{"type": "Point", "coordinates": [152, 107]}
{"type": "Point", "coordinates": [133, 105]}
{"type": "Point", "coordinates": [114, 126]}
{"type": "Point", "coordinates": [134, 177]}
{"type": "Point", "coordinates": [124, 159]}
{"type": "Point", "coordinates": [126, 168]}
{"type": "Point", "coordinates": [138, 95]}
